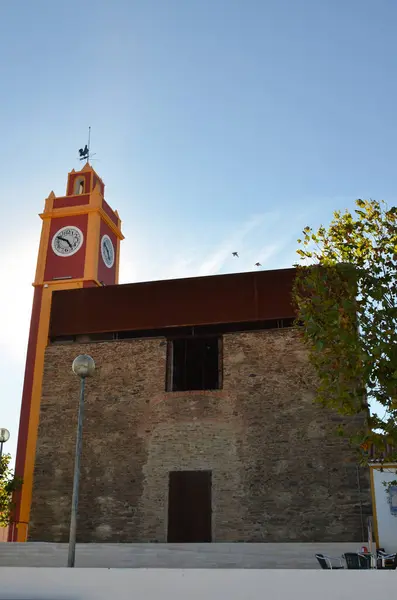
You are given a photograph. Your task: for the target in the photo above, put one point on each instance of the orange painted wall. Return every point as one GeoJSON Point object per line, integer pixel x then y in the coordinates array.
{"type": "Point", "coordinates": [108, 276]}
{"type": "Point", "coordinates": [64, 201]}
{"type": "Point", "coordinates": [69, 266]}
{"type": "Point", "coordinates": [101, 185]}
{"type": "Point", "coordinates": [31, 410]}
{"type": "Point", "coordinates": [72, 179]}
{"type": "Point", "coordinates": [26, 400]}
{"type": "Point", "coordinates": [110, 213]}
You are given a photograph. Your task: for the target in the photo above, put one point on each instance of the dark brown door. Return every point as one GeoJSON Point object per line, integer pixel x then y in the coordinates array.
{"type": "Point", "coordinates": [189, 506]}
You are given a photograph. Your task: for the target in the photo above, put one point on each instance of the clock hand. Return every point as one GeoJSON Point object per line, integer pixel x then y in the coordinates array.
{"type": "Point", "coordinates": [64, 240]}
{"type": "Point", "coordinates": [107, 252]}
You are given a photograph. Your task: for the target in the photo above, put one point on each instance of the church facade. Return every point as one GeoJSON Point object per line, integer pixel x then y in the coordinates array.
{"type": "Point", "coordinates": [199, 422]}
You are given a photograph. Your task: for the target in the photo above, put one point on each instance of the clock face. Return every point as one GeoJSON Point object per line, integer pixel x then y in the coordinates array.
{"type": "Point", "coordinates": [107, 251]}
{"type": "Point", "coordinates": [67, 241]}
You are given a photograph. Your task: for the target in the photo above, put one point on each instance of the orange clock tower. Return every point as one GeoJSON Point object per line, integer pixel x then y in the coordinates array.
{"type": "Point", "coordinates": [79, 247]}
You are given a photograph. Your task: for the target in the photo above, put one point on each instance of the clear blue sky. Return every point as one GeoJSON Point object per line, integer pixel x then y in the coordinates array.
{"type": "Point", "coordinates": [219, 125]}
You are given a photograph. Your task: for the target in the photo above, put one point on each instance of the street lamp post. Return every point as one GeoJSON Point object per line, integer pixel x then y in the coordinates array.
{"type": "Point", "coordinates": [83, 366]}
{"type": "Point", "coordinates": [4, 437]}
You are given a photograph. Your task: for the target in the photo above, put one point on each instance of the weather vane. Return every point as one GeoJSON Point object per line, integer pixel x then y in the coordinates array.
{"type": "Point", "coordinates": [85, 153]}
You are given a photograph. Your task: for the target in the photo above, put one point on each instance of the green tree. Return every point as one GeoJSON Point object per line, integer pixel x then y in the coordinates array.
{"type": "Point", "coordinates": [346, 297]}
{"type": "Point", "coordinates": [8, 484]}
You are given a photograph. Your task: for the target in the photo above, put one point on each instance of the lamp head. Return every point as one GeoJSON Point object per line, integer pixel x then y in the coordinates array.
{"type": "Point", "coordinates": [83, 366]}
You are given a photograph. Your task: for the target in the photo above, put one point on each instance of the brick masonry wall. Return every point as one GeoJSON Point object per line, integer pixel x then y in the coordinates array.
{"type": "Point", "coordinates": [279, 473]}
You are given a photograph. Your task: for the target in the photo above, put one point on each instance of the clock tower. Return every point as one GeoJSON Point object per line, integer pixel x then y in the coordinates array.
{"type": "Point", "coordinates": [79, 247]}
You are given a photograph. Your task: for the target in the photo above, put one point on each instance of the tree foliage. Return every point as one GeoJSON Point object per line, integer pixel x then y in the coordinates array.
{"type": "Point", "coordinates": [346, 297]}
{"type": "Point", "coordinates": [8, 484]}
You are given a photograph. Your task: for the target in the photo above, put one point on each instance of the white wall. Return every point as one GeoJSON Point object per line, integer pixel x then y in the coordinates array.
{"type": "Point", "coordinates": [387, 523]}
{"type": "Point", "coordinates": [195, 584]}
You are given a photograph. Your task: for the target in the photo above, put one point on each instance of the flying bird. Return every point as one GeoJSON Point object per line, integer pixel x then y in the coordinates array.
{"type": "Point", "coordinates": [258, 264]}
{"type": "Point", "coordinates": [235, 254]}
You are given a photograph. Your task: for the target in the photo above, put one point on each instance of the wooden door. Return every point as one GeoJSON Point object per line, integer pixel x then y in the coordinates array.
{"type": "Point", "coordinates": [189, 507]}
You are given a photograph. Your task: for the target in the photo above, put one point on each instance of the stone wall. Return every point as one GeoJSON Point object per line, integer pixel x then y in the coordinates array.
{"type": "Point", "coordinates": [279, 473]}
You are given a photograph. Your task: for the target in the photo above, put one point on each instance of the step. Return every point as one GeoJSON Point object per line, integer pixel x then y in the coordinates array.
{"type": "Point", "coordinates": [188, 556]}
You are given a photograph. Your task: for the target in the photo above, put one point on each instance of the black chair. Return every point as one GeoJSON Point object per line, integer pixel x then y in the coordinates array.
{"type": "Point", "coordinates": [385, 560]}
{"type": "Point", "coordinates": [326, 562]}
{"type": "Point", "coordinates": [391, 562]}
{"type": "Point", "coordinates": [357, 561]}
